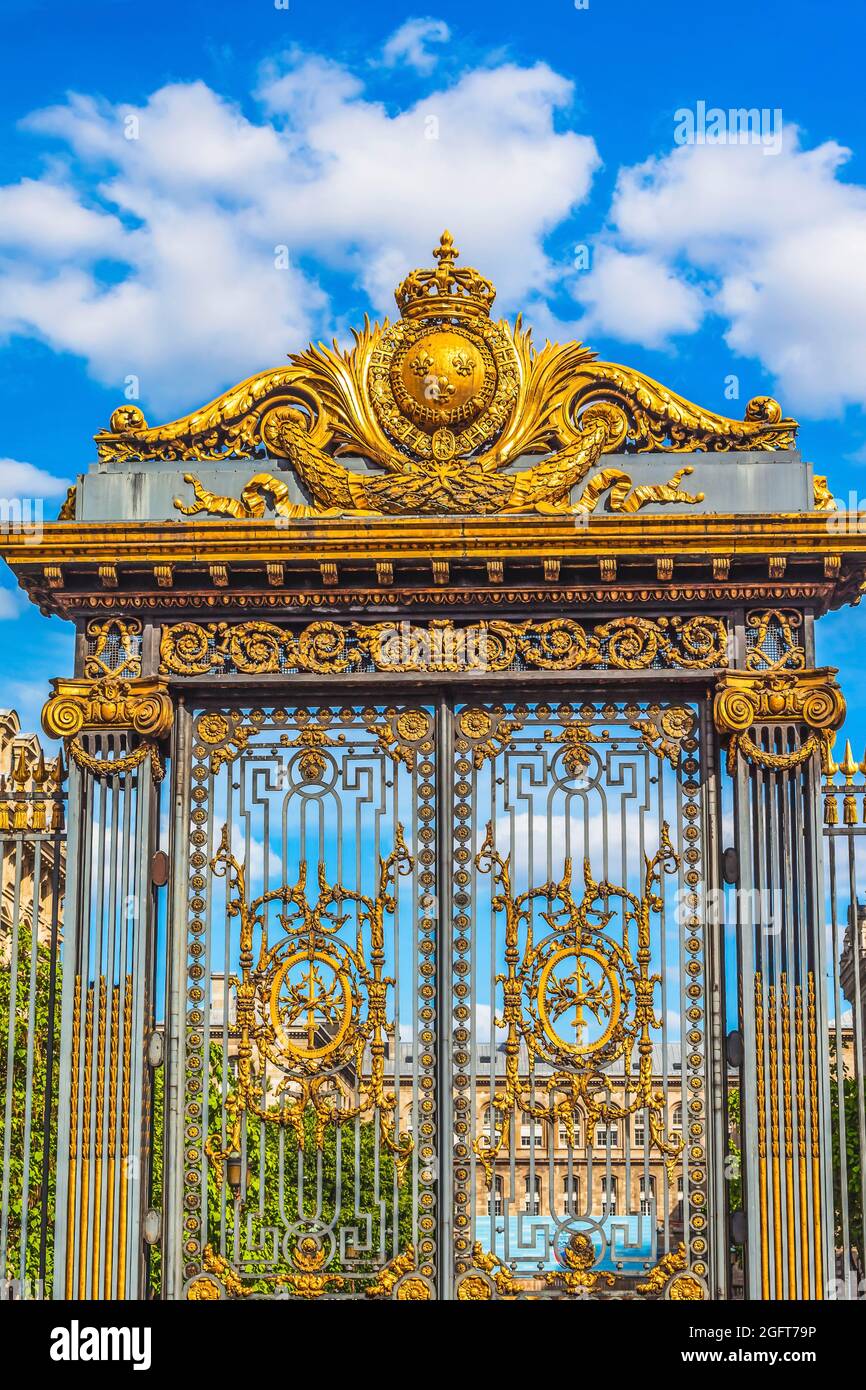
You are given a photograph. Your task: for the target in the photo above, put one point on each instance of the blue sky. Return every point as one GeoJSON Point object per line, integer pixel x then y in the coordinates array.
{"type": "Point", "coordinates": [155, 158]}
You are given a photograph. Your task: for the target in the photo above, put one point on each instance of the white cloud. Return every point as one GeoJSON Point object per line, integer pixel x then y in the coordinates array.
{"type": "Point", "coordinates": [20, 480]}
{"type": "Point", "coordinates": [779, 244]}
{"type": "Point", "coordinates": [9, 606]}
{"type": "Point", "coordinates": [159, 256]}
{"type": "Point", "coordinates": [196, 206]}
{"type": "Point", "coordinates": [51, 219]}
{"type": "Point", "coordinates": [638, 299]}
{"type": "Point", "coordinates": [409, 44]}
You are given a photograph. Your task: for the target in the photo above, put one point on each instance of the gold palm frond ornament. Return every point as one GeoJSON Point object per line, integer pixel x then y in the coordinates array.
{"type": "Point", "coordinates": [442, 405]}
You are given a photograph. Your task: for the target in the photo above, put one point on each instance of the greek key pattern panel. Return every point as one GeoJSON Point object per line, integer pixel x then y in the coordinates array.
{"type": "Point", "coordinates": [310, 1124]}
{"type": "Point", "coordinates": [579, 1017]}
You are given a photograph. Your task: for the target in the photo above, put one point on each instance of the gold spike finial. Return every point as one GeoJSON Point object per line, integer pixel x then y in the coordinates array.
{"type": "Point", "coordinates": [20, 771]}
{"type": "Point", "coordinates": [848, 767]}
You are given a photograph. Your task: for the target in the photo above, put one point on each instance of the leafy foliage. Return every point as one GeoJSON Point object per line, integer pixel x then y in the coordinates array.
{"type": "Point", "coordinates": [846, 1140]}
{"type": "Point", "coordinates": [277, 1174]}
{"type": "Point", "coordinates": [25, 1138]}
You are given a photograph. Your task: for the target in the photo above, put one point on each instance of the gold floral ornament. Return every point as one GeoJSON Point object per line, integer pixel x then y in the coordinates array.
{"type": "Point", "coordinates": [578, 739]}
{"type": "Point", "coordinates": [403, 734]}
{"type": "Point", "coordinates": [485, 733]}
{"type": "Point", "coordinates": [399, 1280]}
{"type": "Point", "coordinates": [312, 741]}
{"type": "Point", "coordinates": [670, 1264]}
{"type": "Point", "coordinates": [312, 1004]}
{"type": "Point", "coordinates": [312, 1279]}
{"type": "Point", "coordinates": [579, 998]}
{"type": "Point", "coordinates": [577, 1275]}
{"type": "Point", "coordinates": [226, 735]}
{"type": "Point", "coordinates": [496, 1281]}
{"type": "Point", "coordinates": [441, 403]}
{"type": "Point", "coordinates": [665, 732]}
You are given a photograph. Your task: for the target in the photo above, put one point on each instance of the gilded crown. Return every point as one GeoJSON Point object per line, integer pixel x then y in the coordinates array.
{"type": "Point", "coordinates": [449, 291]}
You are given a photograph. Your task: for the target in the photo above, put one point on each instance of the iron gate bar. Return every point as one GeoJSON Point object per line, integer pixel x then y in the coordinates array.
{"type": "Point", "coordinates": [444, 1053]}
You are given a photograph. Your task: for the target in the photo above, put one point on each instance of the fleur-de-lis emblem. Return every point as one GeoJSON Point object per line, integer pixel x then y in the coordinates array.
{"type": "Point", "coordinates": [422, 364]}
{"type": "Point", "coordinates": [461, 364]}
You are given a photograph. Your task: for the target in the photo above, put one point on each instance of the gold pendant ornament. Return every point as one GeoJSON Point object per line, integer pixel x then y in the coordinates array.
{"type": "Point", "coordinates": [443, 405]}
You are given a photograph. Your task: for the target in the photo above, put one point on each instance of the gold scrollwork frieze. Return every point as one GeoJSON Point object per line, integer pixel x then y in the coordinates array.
{"type": "Point", "coordinates": [811, 699]}
{"type": "Point", "coordinates": [328, 648]}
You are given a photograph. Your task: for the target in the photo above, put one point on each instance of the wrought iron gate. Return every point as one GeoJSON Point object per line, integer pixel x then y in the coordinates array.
{"type": "Point", "coordinates": [445, 1020]}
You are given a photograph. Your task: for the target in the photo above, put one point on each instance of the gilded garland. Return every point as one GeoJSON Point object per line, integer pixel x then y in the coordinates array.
{"type": "Point", "coordinates": [447, 407]}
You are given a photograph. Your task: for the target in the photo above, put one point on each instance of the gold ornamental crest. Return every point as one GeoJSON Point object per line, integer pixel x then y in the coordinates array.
{"type": "Point", "coordinates": [447, 412]}
{"type": "Point", "coordinates": [444, 379]}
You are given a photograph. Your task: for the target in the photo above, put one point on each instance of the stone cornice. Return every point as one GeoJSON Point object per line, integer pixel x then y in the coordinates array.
{"type": "Point", "coordinates": [73, 566]}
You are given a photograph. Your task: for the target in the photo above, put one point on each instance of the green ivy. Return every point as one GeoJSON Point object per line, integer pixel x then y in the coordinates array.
{"type": "Point", "coordinates": [15, 1013]}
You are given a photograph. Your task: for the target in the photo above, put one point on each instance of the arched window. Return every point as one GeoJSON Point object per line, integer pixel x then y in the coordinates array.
{"type": "Point", "coordinates": [530, 1132]}
{"type": "Point", "coordinates": [677, 1117]}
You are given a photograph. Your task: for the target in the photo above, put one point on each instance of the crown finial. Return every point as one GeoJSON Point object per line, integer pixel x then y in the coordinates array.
{"type": "Point", "coordinates": [449, 291]}
{"type": "Point", "coordinates": [446, 254]}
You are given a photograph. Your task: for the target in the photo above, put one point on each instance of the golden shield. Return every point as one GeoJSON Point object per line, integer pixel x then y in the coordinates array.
{"type": "Point", "coordinates": [445, 388]}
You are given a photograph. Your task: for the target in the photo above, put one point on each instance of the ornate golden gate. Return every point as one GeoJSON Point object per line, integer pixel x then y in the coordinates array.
{"type": "Point", "coordinates": [445, 1021]}
{"type": "Point", "coordinates": [410, 740]}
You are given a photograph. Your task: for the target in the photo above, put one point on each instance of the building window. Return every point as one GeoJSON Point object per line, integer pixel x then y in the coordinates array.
{"type": "Point", "coordinates": [497, 1195]}
{"type": "Point", "coordinates": [647, 1196]}
{"type": "Point", "coordinates": [565, 1138]}
{"type": "Point", "coordinates": [532, 1200]}
{"type": "Point", "coordinates": [570, 1194]}
{"type": "Point", "coordinates": [530, 1132]}
{"type": "Point", "coordinates": [677, 1117]}
{"type": "Point", "coordinates": [491, 1121]}
{"type": "Point", "coordinates": [606, 1136]}
{"type": "Point", "coordinates": [640, 1129]}
{"type": "Point", "coordinates": [608, 1190]}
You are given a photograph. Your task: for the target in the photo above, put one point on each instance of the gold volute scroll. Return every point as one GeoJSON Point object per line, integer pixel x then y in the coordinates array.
{"type": "Point", "coordinates": [108, 705]}
{"type": "Point", "coordinates": [810, 698]}
{"type": "Point", "coordinates": [441, 402]}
